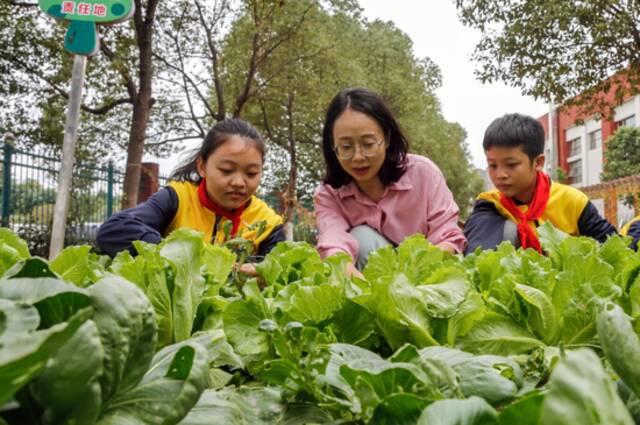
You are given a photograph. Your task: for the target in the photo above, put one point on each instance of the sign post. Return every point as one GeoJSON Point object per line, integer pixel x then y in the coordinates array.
{"type": "Point", "coordinates": [82, 40]}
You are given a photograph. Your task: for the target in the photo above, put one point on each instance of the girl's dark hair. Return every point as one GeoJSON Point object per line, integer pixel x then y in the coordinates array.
{"type": "Point", "coordinates": [371, 104]}
{"type": "Point", "coordinates": [216, 137]}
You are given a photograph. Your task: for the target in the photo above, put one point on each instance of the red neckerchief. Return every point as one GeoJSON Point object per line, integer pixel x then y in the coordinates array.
{"type": "Point", "coordinates": [218, 210]}
{"type": "Point", "coordinates": [526, 233]}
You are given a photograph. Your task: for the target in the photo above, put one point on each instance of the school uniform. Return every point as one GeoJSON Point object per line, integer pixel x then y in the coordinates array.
{"type": "Point", "coordinates": [567, 208]}
{"type": "Point", "coordinates": [185, 204]}
{"type": "Point", "coordinates": [632, 229]}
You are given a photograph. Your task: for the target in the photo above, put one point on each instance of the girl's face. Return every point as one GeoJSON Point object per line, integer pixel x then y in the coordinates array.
{"type": "Point", "coordinates": [232, 172]}
{"type": "Point", "coordinates": [359, 145]}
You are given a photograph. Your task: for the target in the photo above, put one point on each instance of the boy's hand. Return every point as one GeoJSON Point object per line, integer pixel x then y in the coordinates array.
{"type": "Point", "coordinates": [353, 271]}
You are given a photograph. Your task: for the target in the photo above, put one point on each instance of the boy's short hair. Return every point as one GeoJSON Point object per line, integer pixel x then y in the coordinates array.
{"type": "Point", "coordinates": [514, 130]}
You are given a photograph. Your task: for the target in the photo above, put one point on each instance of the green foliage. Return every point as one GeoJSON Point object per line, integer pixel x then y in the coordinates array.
{"type": "Point", "coordinates": [87, 356]}
{"type": "Point", "coordinates": [622, 156]}
{"type": "Point", "coordinates": [494, 338]}
{"type": "Point", "coordinates": [334, 51]}
{"type": "Point", "coordinates": [580, 391]}
{"type": "Point", "coordinates": [557, 50]}
{"type": "Point", "coordinates": [274, 63]}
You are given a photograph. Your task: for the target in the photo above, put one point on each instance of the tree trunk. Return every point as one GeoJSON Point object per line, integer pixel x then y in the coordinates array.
{"type": "Point", "coordinates": [142, 103]}
{"type": "Point", "coordinates": [135, 150]}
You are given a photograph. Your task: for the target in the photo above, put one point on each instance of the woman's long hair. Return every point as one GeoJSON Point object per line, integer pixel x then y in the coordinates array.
{"type": "Point", "coordinates": [372, 105]}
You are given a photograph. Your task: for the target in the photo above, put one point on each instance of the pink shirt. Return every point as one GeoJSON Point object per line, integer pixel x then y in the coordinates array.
{"type": "Point", "coordinates": [420, 202]}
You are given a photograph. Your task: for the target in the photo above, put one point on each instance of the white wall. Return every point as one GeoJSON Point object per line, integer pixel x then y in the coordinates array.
{"type": "Point", "coordinates": [626, 109]}
{"type": "Point", "coordinates": [625, 213]}
{"type": "Point", "coordinates": [574, 133]}
{"type": "Point", "coordinates": [592, 167]}
{"type": "Point", "coordinates": [599, 204]}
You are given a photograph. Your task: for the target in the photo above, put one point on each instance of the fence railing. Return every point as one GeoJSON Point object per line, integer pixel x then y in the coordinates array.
{"type": "Point", "coordinates": [28, 186]}
{"type": "Point", "coordinates": [611, 191]}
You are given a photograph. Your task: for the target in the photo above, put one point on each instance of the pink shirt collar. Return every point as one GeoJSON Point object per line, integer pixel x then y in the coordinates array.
{"type": "Point", "coordinates": [351, 188]}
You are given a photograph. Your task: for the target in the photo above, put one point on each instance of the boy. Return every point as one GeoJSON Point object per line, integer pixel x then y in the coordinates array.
{"type": "Point", "coordinates": [525, 197]}
{"type": "Point", "coordinates": [632, 229]}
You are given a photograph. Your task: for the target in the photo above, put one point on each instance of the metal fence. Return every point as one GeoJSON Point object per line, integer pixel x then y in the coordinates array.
{"type": "Point", "coordinates": [29, 184]}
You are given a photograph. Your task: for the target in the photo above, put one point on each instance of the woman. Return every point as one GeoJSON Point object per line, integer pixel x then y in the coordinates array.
{"type": "Point", "coordinates": [374, 193]}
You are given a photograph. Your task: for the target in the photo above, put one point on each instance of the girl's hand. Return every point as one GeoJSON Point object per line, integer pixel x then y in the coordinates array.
{"type": "Point", "coordinates": [250, 270]}
{"type": "Point", "coordinates": [353, 271]}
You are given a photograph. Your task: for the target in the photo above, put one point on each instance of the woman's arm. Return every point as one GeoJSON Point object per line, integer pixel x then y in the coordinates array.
{"type": "Point", "coordinates": [333, 228]}
{"type": "Point", "coordinates": [442, 217]}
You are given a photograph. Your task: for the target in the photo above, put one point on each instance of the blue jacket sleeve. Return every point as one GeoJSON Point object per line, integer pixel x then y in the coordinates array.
{"type": "Point", "coordinates": [145, 222]}
{"type": "Point", "coordinates": [592, 224]}
{"type": "Point", "coordinates": [484, 227]}
{"type": "Point", "coordinates": [277, 235]}
{"type": "Point", "coordinates": [634, 232]}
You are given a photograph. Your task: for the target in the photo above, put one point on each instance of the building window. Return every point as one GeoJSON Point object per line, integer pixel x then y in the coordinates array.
{"type": "Point", "coordinates": [630, 121]}
{"type": "Point", "coordinates": [595, 139]}
{"type": "Point", "coordinates": [575, 171]}
{"type": "Point", "coordinates": [574, 146]}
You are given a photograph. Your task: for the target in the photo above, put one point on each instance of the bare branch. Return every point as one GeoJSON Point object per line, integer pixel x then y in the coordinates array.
{"type": "Point", "coordinates": [175, 139]}
{"type": "Point", "coordinates": [102, 110]}
{"type": "Point", "coordinates": [126, 77]}
{"type": "Point", "coordinates": [36, 73]}
{"type": "Point", "coordinates": [21, 3]}
{"type": "Point", "coordinates": [217, 80]}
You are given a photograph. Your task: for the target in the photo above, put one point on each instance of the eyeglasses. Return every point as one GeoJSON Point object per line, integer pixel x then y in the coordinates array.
{"type": "Point", "coordinates": [368, 148]}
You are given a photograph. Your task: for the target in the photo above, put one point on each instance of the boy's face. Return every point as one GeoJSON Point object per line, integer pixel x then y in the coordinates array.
{"type": "Point", "coordinates": [512, 172]}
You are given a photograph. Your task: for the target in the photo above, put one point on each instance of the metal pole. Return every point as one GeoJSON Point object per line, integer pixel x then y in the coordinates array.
{"type": "Point", "coordinates": [110, 189]}
{"type": "Point", "coordinates": [6, 179]}
{"type": "Point", "coordinates": [68, 157]}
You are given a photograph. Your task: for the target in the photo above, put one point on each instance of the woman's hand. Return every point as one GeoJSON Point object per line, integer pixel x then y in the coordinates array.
{"type": "Point", "coordinates": [353, 271]}
{"type": "Point", "coordinates": [446, 247]}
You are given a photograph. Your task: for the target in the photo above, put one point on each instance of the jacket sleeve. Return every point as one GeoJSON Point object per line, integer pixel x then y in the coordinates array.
{"type": "Point", "coordinates": [634, 232]}
{"type": "Point", "coordinates": [484, 228]}
{"type": "Point", "coordinates": [592, 224]}
{"type": "Point", "coordinates": [442, 216]}
{"type": "Point", "coordinates": [277, 235]}
{"type": "Point", "coordinates": [145, 222]}
{"type": "Point", "coordinates": [333, 228]}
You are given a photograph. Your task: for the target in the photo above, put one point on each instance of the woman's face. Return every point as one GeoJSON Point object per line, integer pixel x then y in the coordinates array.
{"type": "Point", "coordinates": [232, 172]}
{"type": "Point", "coordinates": [359, 145]}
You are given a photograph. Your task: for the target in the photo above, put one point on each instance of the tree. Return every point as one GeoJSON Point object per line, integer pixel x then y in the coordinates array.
{"type": "Point", "coordinates": [622, 156]}
{"type": "Point", "coordinates": [118, 98]}
{"type": "Point", "coordinates": [560, 51]}
{"type": "Point", "coordinates": [336, 50]}
{"type": "Point", "coordinates": [181, 65]}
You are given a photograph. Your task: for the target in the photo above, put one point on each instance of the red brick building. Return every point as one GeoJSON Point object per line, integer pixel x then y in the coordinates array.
{"type": "Point", "coordinates": [577, 143]}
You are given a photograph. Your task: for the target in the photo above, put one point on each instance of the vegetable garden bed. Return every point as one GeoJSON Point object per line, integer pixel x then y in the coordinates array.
{"type": "Point", "coordinates": [174, 335]}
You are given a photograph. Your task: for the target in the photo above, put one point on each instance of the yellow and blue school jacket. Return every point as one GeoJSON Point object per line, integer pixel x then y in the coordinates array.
{"type": "Point", "coordinates": [632, 229]}
{"type": "Point", "coordinates": [568, 209]}
{"type": "Point", "coordinates": [177, 206]}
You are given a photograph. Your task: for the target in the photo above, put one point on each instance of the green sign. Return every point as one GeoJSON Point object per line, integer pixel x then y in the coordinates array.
{"type": "Point", "coordinates": [83, 15]}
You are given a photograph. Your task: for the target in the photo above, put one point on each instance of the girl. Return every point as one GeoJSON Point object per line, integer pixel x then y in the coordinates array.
{"type": "Point", "coordinates": [374, 192]}
{"type": "Point", "coordinates": [215, 185]}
